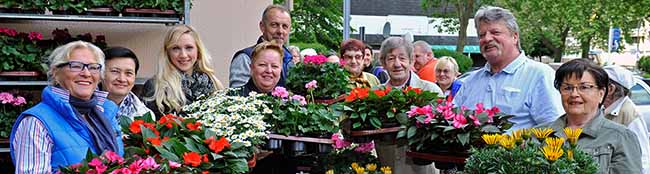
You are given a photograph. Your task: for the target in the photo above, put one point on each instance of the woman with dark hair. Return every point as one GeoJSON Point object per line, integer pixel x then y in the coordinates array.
{"type": "Point", "coordinates": [583, 86]}
{"type": "Point", "coordinates": [72, 117]}
{"type": "Point", "coordinates": [122, 66]}
{"type": "Point", "coordinates": [353, 55]}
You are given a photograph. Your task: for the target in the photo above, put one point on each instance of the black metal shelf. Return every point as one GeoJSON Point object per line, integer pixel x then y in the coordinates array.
{"type": "Point", "coordinates": [138, 81]}
{"type": "Point", "coordinates": [91, 18]}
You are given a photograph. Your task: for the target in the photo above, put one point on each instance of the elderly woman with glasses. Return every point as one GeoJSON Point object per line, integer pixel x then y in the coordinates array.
{"type": "Point", "coordinates": [583, 86]}
{"type": "Point", "coordinates": [72, 118]}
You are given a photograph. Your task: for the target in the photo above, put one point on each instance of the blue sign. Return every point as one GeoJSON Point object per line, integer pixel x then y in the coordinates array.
{"type": "Point", "coordinates": [616, 39]}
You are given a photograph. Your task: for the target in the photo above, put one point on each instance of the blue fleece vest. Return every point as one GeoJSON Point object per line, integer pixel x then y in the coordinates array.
{"type": "Point", "coordinates": [71, 138]}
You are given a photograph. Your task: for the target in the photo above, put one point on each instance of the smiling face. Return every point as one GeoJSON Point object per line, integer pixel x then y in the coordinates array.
{"type": "Point", "coordinates": [367, 57]}
{"type": "Point", "coordinates": [276, 26]}
{"type": "Point", "coordinates": [583, 97]}
{"type": "Point", "coordinates": [498, 44]}
{"type": "Point", "coordinates": [353, 62]}
{"type": "Point", "coordinates": [446, 74]}
{"type": "Point", "coordinates": [119, 77]}
{"type": "Point", "coordinates": [183, 53]}
{"type": "Point", "coordinates": [398, 66]}
{"type": "Point", "coordinates": [81, 84]}
{"type": "Point", "coordinates": [266, 69]}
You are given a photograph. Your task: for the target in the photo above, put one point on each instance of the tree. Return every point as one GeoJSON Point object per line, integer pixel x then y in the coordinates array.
{"type": "Point", "coordinates": [455, 19]}
{"type": "Point", "coordinates": [315, 21]}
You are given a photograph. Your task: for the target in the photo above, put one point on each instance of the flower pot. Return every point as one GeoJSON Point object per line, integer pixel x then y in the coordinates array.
{"type": "Point", "coordinates": [274, 144]}
{"type": "Point", "coordinates": [252, 161]}
{"type": "Point", "coordinates": [324, 148]}
{"type": "Point", "coordinates": [423, 162]}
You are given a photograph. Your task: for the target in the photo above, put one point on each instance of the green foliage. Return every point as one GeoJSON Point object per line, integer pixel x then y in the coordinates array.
{"type": "Point", "coordinates": [291, 117]}
{"type": "Point", "coordinates": [79, 6]}
{"type": "Point", "coordinates": [644, 64]}
{"type": "Point", "coordinates": [20, 51]}
{"type": "Point", "coordinates": [315, 21]}
{"type": "Point", "coordinates": [320, 48]}
{"type": "Point", "coordinates": [332, 79]}
{"type": "Point", "coordinates": [455, 16]}
{"type": "Point", "coordinates": [9, 112]}
{"type": "Point", "coordinates": [464, 62]}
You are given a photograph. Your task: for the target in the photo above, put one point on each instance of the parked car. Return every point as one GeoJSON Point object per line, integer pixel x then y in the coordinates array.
{"type": "Point", "coordinates": [640, 95]}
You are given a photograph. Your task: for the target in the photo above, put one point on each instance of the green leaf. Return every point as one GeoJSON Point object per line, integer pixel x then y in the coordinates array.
{"type": "Point", "coordinates": [401, 133]}
{"type": "Point", "coordinates": [363, 116]}
{"type": "Point", "coordinates": [411, 131]}
{"type": "Point", "coordinates": [434, 135]}
{"type": "Point", "coordinates": [166, 154]}
{"type": "Point", "coordinates": [402, 118]}
{"type": "Point", "coordinates": [375, 122]}
{"type": "Point", "coordinates": [490, 129]}
{"type": "Point", "coordinates": [463, 138]}
{"type": "Point", "coordinates": [390, 114]}
{"type": "Point", "coordinates": [356, 125]}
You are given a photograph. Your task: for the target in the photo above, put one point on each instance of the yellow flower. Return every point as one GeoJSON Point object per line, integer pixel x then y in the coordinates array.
{"type": "Point", "coordinates": [517, 135]}
{"type": "Point", "coordinates": [555, 142]}
{"type": "Point", "coordinates": [386, 170]}
{"type": "Point", "coordinates": [526, 133]}
{"type": "Point", "coordinates": [331, 171]}
{"type": "Point", "coordinates": [569, 154]}
{"type": "Point", "coordinates": [552, 153]}
{"type": "Point", "coordinates": [507, 141]}
{"type": "Point", "coordinates": [572, 135]}
{"type": "Point", "coordinates": [491, 139]}
{"type": "Point", "coordinates": [542, 133]}
{"type": "Point", "coordinates": [354, 165]}
{"type": "Point", "coordinates": [371, 167]}
{"type": "Point", "coordinates": [359, 170]}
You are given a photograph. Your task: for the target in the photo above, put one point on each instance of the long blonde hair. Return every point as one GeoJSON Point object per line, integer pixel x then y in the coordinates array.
{"type": "Point", "coordinates": [168, 91]}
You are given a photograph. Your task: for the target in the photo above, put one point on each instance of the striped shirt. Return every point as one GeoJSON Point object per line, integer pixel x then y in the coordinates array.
{"type": "Point", "coordinates": [32, 144]}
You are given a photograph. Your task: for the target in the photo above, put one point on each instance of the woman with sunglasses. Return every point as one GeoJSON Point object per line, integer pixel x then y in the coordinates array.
{"type": "Point", "coordinates": [72, 117]}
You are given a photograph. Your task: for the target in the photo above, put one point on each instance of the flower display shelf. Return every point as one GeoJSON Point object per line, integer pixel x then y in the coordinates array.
{"type": "Point", "coordinates": [149, 11]}
{"type": "Point", "coordinates": [459, 158]}
{"type": "Point", "coordinates": [20, 73]}
{"type": "Point", "coordinates": [365, 136]}
{"type": "Point", "coordinates": [331, 101]}
{"type": "Point", "coordinates": [302, 139]}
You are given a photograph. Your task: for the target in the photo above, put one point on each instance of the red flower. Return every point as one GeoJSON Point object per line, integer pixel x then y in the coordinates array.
{"type": "Point", "coordinates": [146, 151]}
{"type": "Point", "coordinates": [135, 126]}
{"type": "Point", "coordinates": [205, 172]}
{"type": "Point", "coordinates": [217, 145]}
{"type": "Point", "coordinates": [379, 92]}
{"type": "Point", "coordinates": [192, 158]}
{"type": "Point", "coordinates": [409, 88]}
{"type": "Point", "coordinates": [205, 158]}
{"type": "Point", "coordinates": [194, 126]}
{"type": "Point", "coordinates": [167, 120]}
{"type": "Point", "coordinates": [34, 36]}
{"type": "Point", "coordinates": [155, 141]}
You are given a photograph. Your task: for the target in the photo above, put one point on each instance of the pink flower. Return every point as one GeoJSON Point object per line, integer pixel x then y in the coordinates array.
{"type": "Point", "coordinates": [317, 59]}
{"type": "Point", "coordinates": [35, 36]}
{"type": "Point", "coordinates": [6, 97]}
{"type": "Point", "coordinates": [99, 166]}
{"type": "Point", "coordinates": [113, 157]}
{"type": "Point", "coordinates": [8, 31]}
{"type": "Point", "coordinates": [174, 165]}
{"type": "Point", "coordinates": [338, 142]}
{"type": "Point", "coordinates": [312, 85]}
{"type": "Point", "coordinates": [459, 121]}
{"type": "Point", "coordinates": [19, 101]}
{"type": "Point", "coordinates": [135, 167]}
{"type": "Point", "coordinates": [299, 98]}
{"type": "Point", "coordinates": [366, 147]}
{"type": "Point", "coordinates": [280, 92]}
{"type": "Point", "coordinates": [149, 164]}
{"type": "Point", "coordinates": [342, 62]}
{"type": "Point", "coordinates": [122, 171]}
{"type": "Point", "coordinates": [413, 111]}
{"type": "Point", "coordinates": [475, 119]}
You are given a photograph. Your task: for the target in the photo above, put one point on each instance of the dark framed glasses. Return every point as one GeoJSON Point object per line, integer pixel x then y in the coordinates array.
{"type": "Point", "coordinates": [76, 66]}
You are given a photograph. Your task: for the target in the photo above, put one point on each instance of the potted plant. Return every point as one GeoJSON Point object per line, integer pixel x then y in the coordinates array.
{"type": "Point", "coordinates": [523, 153]}
{"type": "Point", "coordinates": [442, 129]}
{"type": "Point", "coordinates": [332, 79]}
{"type": "Point", "coordinates": [20, 52]}
{"type": "Point", "coordinates": [12, 106]}
{"type": "Point", "coordinates": [368, 111]}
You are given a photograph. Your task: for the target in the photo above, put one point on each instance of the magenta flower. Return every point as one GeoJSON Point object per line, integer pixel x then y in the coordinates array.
{"type": "Point", "coordinates": [475, 120]}
{"type": "Point", "coordinates": [19, 101]}
{"type": "Point", "coordinates": [8, 31]}
{"type": "Point", "coordinates": [113, 157]}
{"type": "Point", "coordinates": [340, 143]}
{"type": "Point", "coordinates": [365, 148]}
{"type": "Point", "coordinates": [280, 92]}
{"type": "Point", "coordinates": [99, 166]}
{"type": "Point", "coordinates": [35, 36]}
{"type": "Point", "coordinates": [122, 171]}
{"type": "Point", "coordinates": [317, 59]}
{"type": "Point", "coordinates": [173, 164]}
{"type": "Point", "coordinates": [149, 164]}
{"type": "Point", "coordinates": [459, 121]}
{"type": "Point", "coordinates": [6, 97]}
{"type": "Point", "coordinates": [312, 85]}
{"type": "Point", "coordinates": [299, 98]}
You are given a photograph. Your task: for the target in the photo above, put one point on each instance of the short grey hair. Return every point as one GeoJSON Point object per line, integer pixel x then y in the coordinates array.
{"type": "Point", "coordinates": [61, 55]}
{"type": "Point", "coordinates": [271, 7]}
{"type": "Point", "coordinates": [491, 14]}
{"type": "Point", "coordinates": [392, 43]}
{"type": "Point", "coordinates": [425, 45]}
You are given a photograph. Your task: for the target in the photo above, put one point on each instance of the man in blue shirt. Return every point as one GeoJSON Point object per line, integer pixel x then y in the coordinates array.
{"type": "Point", "coordinates": [509, 80]}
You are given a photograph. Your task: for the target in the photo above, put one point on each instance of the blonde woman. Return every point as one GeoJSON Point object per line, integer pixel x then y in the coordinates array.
{"type": "Point", "coordinates": [446, 71]}
{"type": "Point", "coordinates": [184, 72]}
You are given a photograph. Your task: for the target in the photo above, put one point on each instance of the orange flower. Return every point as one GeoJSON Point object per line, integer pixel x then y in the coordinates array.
{"type": "Point", "coordinates": [155, 141]}
{"type": "Point", "coordinates": [192, 158]}
{"type": "Point", "coordinates": [217, 145]}
{"type": "Point", "coordinates": [193, 127]}
{"type": "Point", "coordinates": [205, 172]}
{"type": "Point", "coordinates": [363, 93]}
{"type": "Point", "coordinates": [146, 151]}
{"type": "Point", "coordinates": [409, 88]}
{"type": "Point", "coordinates": [135, 126]}
{"type": "Point", "coordinates": [167, 120]}
{"type": "Point", "coordinates": [379, 92]}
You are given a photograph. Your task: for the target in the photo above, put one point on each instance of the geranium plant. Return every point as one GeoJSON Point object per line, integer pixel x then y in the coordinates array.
{"type": "Point", "coordinates": [522, 153]}
{"type": "Point", "coordinates": [331, 77]}
{"type": "Point", "coordinates": [110, 162]}
{"type": "Point", "coordinates": [238, 119]}
{"type": "Point", "coordinates": [12, 106]}
{"type": "Point", "coordinates": [440, 126]}
{"type": "Point", "coordinates": [185, 141]}
{"type": "Point", "coordinates": [20, 51]}
{"type": "Point", "coordinates": [373, 109]}
{"type": "Point", "coordinates": [293, 115]}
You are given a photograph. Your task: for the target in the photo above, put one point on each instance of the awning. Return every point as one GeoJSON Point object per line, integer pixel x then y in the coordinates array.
{"type": "Point", "coordinates": [466, 49]}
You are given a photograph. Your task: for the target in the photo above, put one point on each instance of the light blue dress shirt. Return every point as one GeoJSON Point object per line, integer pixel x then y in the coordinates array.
{"type": "Point", "coordinates": [524, 89]}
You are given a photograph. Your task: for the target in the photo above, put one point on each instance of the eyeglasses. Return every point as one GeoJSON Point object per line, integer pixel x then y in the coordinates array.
{"type": "Point", "coordinates": [76, 66]}
{"type": "Point", "coordinates": [582, 88]}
